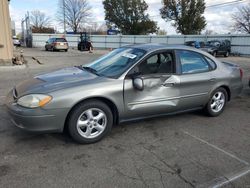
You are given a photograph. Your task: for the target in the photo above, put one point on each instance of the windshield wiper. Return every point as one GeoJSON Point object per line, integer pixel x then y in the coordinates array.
{"type": "Point", "coordinates": [90, 70]}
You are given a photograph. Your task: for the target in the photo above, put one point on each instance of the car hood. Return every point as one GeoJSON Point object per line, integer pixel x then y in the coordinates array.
{"type": "Point", "coordinates": [207, 48]}
{"type": "Point", "coordinates": [57, 80]}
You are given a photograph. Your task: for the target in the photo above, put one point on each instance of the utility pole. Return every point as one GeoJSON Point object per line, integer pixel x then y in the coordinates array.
{"type": "Point", "coordinates": [64, 22]}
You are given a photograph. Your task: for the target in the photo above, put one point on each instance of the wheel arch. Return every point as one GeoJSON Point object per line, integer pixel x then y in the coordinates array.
{"type": "Point", "coordinates": [107, 101]}
{"type": "Point", "coordinates": [228, 91]}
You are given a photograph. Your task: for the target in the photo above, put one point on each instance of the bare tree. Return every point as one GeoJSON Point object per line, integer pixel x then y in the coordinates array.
{"type": "Point", "coordinates": [74, 13]}
{"type": "Point", "coordinates": [39, 19]}
{"type": "Point", "coordinates": [242, 19]}
{"type": "Point", "coordinates": [210, 32]}
{"type": "Point", "coordinates": [162, 32]}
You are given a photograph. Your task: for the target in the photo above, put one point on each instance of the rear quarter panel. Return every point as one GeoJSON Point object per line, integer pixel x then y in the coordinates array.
{"type": "Point", "coordinates": [228, 76]}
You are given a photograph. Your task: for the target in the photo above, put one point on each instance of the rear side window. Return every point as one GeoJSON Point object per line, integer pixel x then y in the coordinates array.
{"type": "Point", "coordinates": [61, 40]}
{"type": "Point", "coordinates": [192, 62]}
{"type": "Point", "coordinates": [51, 40]}
{"type": "Point", "coordinates": [211, 63]}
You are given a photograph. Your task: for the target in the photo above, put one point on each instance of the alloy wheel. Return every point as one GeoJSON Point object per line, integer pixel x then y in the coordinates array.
{"type": "Point", "coordinates": [218, 102]}
{"type": "Point", "coordinates": [91, 123]}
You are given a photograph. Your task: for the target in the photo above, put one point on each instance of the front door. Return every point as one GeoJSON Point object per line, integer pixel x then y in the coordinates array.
{"type": "Point", "coordinates": [161, 87]}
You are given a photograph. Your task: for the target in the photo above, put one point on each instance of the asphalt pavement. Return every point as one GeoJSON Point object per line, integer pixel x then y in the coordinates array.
{"type": "Point", "coordinates": [185, 150]}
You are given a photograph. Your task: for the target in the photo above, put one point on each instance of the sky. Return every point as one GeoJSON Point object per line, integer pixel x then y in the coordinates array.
{"type": "Point", "coordinates": [218, 17]}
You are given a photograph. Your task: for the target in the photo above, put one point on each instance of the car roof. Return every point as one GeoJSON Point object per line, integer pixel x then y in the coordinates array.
{"type": "Point", "coordinates": [158, 46]}
{"type": "Point", "coordinates": [214, 41]}
{"type": "Point", "coordinates": [149, 47]}
{"type": "Point", "coordinates": [57, 38]}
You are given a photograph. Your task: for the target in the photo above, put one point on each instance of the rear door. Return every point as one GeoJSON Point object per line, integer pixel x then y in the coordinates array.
{"type": "Point", "coordinates": [196, 78]}
{"type": "Point", "coordinates": [50, 41]}
{"type": "Point", "coordinates": [161, 86]}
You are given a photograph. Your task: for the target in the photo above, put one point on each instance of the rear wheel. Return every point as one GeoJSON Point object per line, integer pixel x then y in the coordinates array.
{"type": "Point", "coordinates": [217, 102]}
{"type": "Point", "coordinates": [90, 121]}
{"type": "Point", "coordinates": [66, 50]}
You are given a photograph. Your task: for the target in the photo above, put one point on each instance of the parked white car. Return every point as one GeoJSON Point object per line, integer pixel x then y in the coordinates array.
{"type": "Point", "coordinates": [16, 41]}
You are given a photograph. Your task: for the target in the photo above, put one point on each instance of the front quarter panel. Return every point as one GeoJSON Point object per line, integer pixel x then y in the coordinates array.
{"type": "Point", "coordinates": [68, 98]}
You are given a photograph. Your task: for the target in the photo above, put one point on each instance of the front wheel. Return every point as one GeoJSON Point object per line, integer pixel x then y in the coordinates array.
{"type": "Point", "coordinates": [217, 102]}
{"type": "Point", "coordinates": [90, 121]}
{"type": "Point", "coordinates": [214, 53]}
{"type": "Point", "coordinates": [226, 54]}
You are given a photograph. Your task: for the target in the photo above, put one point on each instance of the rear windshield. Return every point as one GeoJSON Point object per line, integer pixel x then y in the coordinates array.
{"type": "Point", "coordinates": [61, 40]}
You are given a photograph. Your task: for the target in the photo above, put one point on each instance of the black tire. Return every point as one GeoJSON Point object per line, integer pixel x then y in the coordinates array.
{"type": "Point", "coordinates": [214, 53]}
{"type": "Point", "coordinates": [79, 111]}
{"type": "Point", "coordinates": [66, 50]}
{"type": "Point", "coordinates": [226, 54]}
{"type": "Point", "coordinates": [208, 108]}
{"type": "Point", "coordinates": [46, 49]}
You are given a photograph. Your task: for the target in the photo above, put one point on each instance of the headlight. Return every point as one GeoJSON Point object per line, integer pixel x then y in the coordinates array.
{"type": "Point", "coordinates": [34, 100]}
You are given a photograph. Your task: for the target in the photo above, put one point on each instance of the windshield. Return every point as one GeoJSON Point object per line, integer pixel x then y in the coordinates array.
{"type": "Point", "coordinates": [116, 62]}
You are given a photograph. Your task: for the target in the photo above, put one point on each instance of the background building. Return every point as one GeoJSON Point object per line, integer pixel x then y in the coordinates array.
{"type": "Point", "coordinates": [6, 46]}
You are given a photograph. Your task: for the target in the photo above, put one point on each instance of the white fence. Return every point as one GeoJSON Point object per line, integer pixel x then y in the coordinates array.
{"type": "Point", "coordinates": [240, 43]}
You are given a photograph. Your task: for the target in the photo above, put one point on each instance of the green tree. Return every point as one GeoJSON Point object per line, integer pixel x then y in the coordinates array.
{"type": "Point", "coordinates": [129, 16]}
{"type": "Point", "coordinates": [187, 15]}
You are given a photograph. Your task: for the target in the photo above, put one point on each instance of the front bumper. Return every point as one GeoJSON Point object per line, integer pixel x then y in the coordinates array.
{"type": "Point", "coordinates": [36, 119]}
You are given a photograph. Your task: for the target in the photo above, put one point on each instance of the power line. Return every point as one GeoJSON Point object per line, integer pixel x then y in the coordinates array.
{"type": "Point", "coordinates": [226, 3]}
{"type": "Point", "coordinates": [215, 5]}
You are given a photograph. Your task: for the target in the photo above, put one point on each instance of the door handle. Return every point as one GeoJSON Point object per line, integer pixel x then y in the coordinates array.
{"type": "Point", "coordinates": [212, 80]}
{"type": "Point", "coordinates": [171, 81]}
{"type": "Point", "coordinates": [168, 84]}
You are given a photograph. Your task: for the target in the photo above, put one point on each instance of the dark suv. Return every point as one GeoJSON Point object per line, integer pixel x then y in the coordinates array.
{"type": "Point", "coordinates": [218, 47]}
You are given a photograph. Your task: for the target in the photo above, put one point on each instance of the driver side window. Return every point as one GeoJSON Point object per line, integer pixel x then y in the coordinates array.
{"type": "Point", "coordinates": [157, 63]}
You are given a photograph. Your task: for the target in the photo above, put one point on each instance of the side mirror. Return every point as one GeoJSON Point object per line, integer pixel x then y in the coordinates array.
{"type": "Point", "coordinates": [138, 83]}
{"type": "Point", "coordinates": [47, 42]}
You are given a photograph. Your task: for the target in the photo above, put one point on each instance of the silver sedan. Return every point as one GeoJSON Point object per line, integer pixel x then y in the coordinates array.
{"type": "Point", "coordinates": [132, 82]}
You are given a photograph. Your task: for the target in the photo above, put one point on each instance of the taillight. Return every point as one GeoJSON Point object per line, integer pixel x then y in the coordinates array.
{"type": "Point", "coordinates": [241, 73]}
